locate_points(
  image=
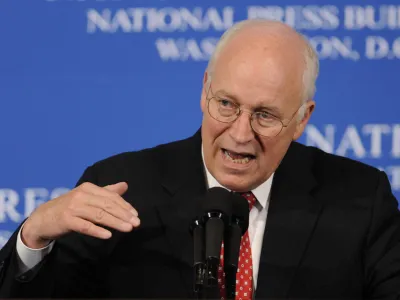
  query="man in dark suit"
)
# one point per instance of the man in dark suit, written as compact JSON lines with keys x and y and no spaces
{"x":321,"y":226}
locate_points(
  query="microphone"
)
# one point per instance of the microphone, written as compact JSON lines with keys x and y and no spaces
{"x":238,"y":226}
{"x":217,"y":208}
{"x":207,"y":230}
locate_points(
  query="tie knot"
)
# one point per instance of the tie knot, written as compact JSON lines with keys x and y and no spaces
{"x":250,"y":198}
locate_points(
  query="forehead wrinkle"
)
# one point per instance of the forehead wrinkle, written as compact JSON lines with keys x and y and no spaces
{"x":272,"y":45}
{"x":257,"y":67}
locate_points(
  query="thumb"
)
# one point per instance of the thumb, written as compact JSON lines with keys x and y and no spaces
{"x":120,"y":188}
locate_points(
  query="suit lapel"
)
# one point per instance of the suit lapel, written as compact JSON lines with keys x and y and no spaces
{"x":292,"y":217}
{"x":184,"y":181}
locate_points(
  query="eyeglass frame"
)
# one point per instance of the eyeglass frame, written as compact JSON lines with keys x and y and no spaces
{"x":240,"y":110}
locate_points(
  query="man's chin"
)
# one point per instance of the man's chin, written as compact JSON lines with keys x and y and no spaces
{"x":234,"y":182}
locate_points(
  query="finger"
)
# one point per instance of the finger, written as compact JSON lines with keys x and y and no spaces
{"x":88,"y":228}
{"x":108,"y":205}
{"x":108,"y":191}
{"x":99,"y":216}
{"x":120,"y":188}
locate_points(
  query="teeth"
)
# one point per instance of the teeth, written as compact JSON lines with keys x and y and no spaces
{"x":237,"y":160}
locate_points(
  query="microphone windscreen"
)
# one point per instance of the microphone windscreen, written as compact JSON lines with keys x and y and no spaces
{"x":240,"y":211}
{"x":217,"y":212}
{"x":217,"y":199}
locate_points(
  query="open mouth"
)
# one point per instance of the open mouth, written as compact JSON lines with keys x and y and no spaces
{"x":238,"y":157}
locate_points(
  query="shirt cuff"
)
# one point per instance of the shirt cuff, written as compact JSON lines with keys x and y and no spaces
{"x":28,"y":257}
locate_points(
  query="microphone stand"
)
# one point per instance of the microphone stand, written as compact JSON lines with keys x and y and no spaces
{"x":197,"y":231}
{"x":214,"y":229}
{"x":230,"y":281}
{"x":212,"y":278}
{"x":199,"y":274}
{"x":205,"y":270}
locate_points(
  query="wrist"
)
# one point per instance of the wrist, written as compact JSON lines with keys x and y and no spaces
{"x":30,"y":239}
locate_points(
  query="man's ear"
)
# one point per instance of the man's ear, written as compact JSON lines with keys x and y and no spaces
{"x":205,"y":78}
{"x":301,"y":124}
{"x":204,"y":92}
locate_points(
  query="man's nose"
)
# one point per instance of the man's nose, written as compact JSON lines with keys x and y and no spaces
{"x":241,"y":130}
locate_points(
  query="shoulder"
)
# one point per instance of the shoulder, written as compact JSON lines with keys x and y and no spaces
{"x":141,"y":165}
{"x":345,"y":174}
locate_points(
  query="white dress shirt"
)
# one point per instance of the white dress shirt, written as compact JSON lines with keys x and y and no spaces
{"x":28,"y":258}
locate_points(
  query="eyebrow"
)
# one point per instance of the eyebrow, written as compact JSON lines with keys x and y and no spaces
{"x":271,"y":109}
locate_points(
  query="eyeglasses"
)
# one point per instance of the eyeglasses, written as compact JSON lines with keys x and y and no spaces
{"x":262,"y":122}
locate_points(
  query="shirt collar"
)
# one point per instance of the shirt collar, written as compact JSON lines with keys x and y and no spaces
{"x":261,"y":192}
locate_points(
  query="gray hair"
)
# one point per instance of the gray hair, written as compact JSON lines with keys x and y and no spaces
{"x":311,"y":69}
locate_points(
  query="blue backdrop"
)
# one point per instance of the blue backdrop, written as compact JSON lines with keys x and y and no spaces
{"x":81,"y":80}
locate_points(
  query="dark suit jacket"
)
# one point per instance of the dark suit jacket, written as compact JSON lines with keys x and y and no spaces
{"x":333,"y":231}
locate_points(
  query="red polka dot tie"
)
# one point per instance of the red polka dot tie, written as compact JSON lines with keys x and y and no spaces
{"x":244,"y":275}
